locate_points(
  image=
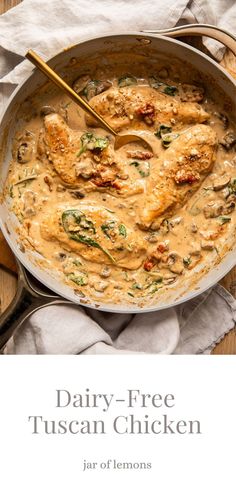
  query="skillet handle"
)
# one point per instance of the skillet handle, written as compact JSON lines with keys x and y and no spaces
{"x":228,"y":40}
{"x":19,"y":311}
{"x":27,"y":300}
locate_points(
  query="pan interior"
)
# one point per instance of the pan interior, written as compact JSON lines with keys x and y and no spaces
{"x":76,"y":60}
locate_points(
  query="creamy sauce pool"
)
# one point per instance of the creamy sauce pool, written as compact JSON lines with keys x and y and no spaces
{"x":123,"y":226}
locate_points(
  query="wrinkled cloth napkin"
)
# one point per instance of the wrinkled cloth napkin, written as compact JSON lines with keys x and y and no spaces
{"x":190,"y":328}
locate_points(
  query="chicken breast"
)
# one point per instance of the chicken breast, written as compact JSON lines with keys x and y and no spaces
{"x":178,"y":174}
{"x":94,"y":233}
{"x":85,"y":160}
{"x":144,"y":107}
{"x":60,"y":144}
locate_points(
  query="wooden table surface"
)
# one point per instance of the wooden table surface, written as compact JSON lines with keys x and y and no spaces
{"x":8,"y":278}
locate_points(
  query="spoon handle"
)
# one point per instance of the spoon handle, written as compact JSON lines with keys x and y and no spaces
{"x":54,"y":77}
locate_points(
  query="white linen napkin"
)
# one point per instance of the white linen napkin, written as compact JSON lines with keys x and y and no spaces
{"x":191,"y":328}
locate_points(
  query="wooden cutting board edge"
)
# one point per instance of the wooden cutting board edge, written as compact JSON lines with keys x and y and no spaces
{"x":7,"y":259}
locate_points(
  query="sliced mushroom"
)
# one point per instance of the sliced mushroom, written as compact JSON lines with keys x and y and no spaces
{"x":103,"y":86}
{"x":46,"y":110}
{"x":105,"y":272}
{"x":169,"y":279}
{"x":195,"y":249}
{"x":223,"y":118}
{"x":230,"y":205}
{"x":207,"y":245}
{"x":77,"y":194}
{"x":175,"y":263}
{"x":177,"y":268}
{"x":175,"y":221}
{"x":224,"y":193}
{"x":229,"y":140}
{"x":85,"y":169}
{"x":95,"y":87}
{"x":221,"y":182}
{"x":192,"y":93}
{"x":80,"y":83}
{"x":213,"y":209}
{"x":23,"y":146}
{"x":152,"y":238}
{"x":25,"y":153}
{"x":100,"y":286}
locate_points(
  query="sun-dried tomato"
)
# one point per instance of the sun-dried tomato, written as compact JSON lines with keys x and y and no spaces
{"x":183,"y":177}
{"x":149,"y":264}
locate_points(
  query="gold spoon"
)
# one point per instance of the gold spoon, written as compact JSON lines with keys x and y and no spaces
{"x":120,"y":139}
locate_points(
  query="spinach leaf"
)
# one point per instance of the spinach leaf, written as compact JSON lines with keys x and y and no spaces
{"x":77,"y":227}
{"x":91,"y":242}
{"x":224,"y":220}
{"x":91,"y":142}
{"x":108,"y":226}
{"x":90,"y":89}
{"x":122,"y":230}
{"x":76,"y":262}
{"x":130,"y":294}
{"x":232,"y":186}
{"x":187,"y":260}
{"x":142,"y":167}
{"x":135,"y":285}
{"x":168,"y":138}
{"x":11,"y":191}
{"x":72,"y":219}
{"x":170,"y":90}
{"x":78,"y":279}
{"x":166,"y":135}
{"x":156,"y":285}
{"x":163,"y":129}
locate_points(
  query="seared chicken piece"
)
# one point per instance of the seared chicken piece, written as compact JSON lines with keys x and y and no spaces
{"x":95,"y":234}
{"x":60,"y":144}
{"x":143,"y":107}
{"x":94,"y":169}
{"x":178,"y":175}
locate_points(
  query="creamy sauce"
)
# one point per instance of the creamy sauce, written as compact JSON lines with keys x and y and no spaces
{"x":122,"y":226}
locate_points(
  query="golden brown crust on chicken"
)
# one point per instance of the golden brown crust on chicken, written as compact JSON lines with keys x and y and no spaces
{"x":91,"y":170}
{"x":176,"y":177}
{"x":144,"y":107}
{"x":60,"y":144}
{"x":118,"y":244}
